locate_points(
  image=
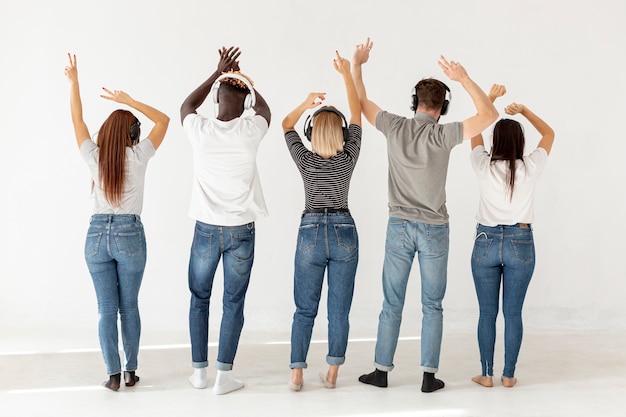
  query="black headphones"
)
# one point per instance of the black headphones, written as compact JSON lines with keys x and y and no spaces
{"x":308,"y":124}
{"x":444,"y":106}
{"x":135,"y":131}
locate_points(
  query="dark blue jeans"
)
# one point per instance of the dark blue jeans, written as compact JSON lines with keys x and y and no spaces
{"x":115,"y":251}
{"x":235,"y":246}
{"x":502,"y":256}
{"x":327,"y":243}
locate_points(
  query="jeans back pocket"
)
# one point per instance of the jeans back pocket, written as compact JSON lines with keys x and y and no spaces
{"x":307,"y":236}
{"x":92,"y":244}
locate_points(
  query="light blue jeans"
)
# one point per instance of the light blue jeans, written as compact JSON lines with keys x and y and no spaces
{"x":502,"y":256}
{"x":115,"y":251}
{"x":405,"y":238}
{"x":327,"y":244}
{"x":235,"y":246}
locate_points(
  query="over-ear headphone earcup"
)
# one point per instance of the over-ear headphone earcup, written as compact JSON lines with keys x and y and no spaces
{"x":345,"y":133}
{"x":247,"y":102}
{"x":135,"y":131}
{"x":444,"y":107}
{"x":414,"y":101}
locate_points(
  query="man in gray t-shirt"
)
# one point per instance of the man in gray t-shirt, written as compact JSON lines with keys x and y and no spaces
{"x":418,"y":151}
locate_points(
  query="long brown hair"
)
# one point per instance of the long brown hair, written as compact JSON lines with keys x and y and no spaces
{"x":113,"y":138}
{"x":508,"y":145}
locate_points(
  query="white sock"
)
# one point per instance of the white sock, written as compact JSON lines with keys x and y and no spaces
{"x":224,"y":383}
{"x":199,"y":378}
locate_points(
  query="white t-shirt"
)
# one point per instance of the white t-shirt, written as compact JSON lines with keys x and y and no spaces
{"x":226,"y":188}
{"x":496,"y":206}
{"x":137,"y":159}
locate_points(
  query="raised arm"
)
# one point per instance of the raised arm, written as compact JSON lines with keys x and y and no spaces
{"x":496,"y":91}
{"x":76,"y":106}
{"x":312,"y":100}
{"x":546,"y":132}
{"x":228,"y":61}
{"x":261,"y":108}
{"x":160,"y":120}
{"x":361,"y":55}
{"x":342,"y":66}
{"x":486,"y":112}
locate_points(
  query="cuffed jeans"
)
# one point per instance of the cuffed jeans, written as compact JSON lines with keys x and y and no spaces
{"x":502,"y":254}
{"x":115,"y":251}
{"x":326,"y":242}
{"x":430,"y":242}
{"x":235,"y":244}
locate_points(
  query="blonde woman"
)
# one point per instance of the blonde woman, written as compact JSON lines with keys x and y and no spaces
{"x":327,"y":238}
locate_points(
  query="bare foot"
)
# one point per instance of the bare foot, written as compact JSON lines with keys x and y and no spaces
{"x":295,"y":384}
{"x":508,"y":382}
{"x":485,"y":381}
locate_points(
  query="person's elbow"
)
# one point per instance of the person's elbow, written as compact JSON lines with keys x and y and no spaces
{"x":491,"y":114}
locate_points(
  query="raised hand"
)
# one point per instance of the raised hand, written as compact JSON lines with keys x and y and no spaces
{"x":514,"y":108}
{"x":362,"y":52}
{"x":313,"y":100}
{"x":497,"y":90}
{"x":228,"y":59}
{"x":71,"y":70}
{"x":342,"y":65}
{"x":452,"y":69}
{"x":116,"y":95}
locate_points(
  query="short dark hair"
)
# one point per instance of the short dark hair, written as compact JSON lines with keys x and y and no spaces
{"x":430,"y":93}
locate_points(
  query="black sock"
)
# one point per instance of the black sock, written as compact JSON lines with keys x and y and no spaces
{"x":430,"y":383}
{"x":377,"y":378}
{"x":113,"y":383}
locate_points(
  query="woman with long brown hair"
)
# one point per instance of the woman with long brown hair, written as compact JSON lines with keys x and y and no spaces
{"x":115,"y":248}
{"x":504,"y":248}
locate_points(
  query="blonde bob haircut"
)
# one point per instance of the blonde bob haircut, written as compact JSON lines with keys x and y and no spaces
{"x":327,"y":135}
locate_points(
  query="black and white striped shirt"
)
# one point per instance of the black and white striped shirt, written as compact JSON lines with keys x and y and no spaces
{"x":326,"y":181}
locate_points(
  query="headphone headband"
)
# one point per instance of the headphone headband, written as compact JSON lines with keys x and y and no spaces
{"x":250,"y":99}
{"x":308,"y":124}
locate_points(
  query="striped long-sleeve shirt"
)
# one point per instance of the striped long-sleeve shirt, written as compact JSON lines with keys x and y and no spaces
{"x":326,"y":180}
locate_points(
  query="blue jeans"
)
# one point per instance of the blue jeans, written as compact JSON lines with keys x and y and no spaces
{"x":502,"y":254}
{"x":326,"y":242}
{"x":235,"y":244}
{"x":115,"y":251}
{"x":430,"y":242}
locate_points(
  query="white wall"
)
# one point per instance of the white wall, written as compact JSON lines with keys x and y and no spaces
{"x":565,"y":60}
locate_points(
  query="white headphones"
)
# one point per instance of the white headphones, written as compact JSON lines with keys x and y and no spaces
{"x":250,"y":99}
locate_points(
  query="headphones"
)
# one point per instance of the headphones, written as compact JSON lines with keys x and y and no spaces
{"x":135,"y":131}
{"x":308,"y":124}
{"x":444,"y":106}
{"x":250,"y":99}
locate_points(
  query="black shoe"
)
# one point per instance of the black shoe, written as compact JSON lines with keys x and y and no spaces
{"x":130,"y":378}
{"x":430,"y":383}
{"x":377,"y":378}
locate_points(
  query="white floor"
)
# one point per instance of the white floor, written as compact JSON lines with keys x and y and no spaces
{"x":559,"y":375}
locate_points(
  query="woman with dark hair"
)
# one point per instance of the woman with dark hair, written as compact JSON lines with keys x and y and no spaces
{"x":327,"y":237}
{"x":115,"y":248}
{"x":504,"y":250}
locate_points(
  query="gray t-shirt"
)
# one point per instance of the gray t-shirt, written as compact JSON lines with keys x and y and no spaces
{"x":418,"y":151}
{"x":137,"y":159}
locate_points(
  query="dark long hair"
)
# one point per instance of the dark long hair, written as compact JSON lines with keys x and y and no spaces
{"x":508,"y":145}
{"x":113,"y":138}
